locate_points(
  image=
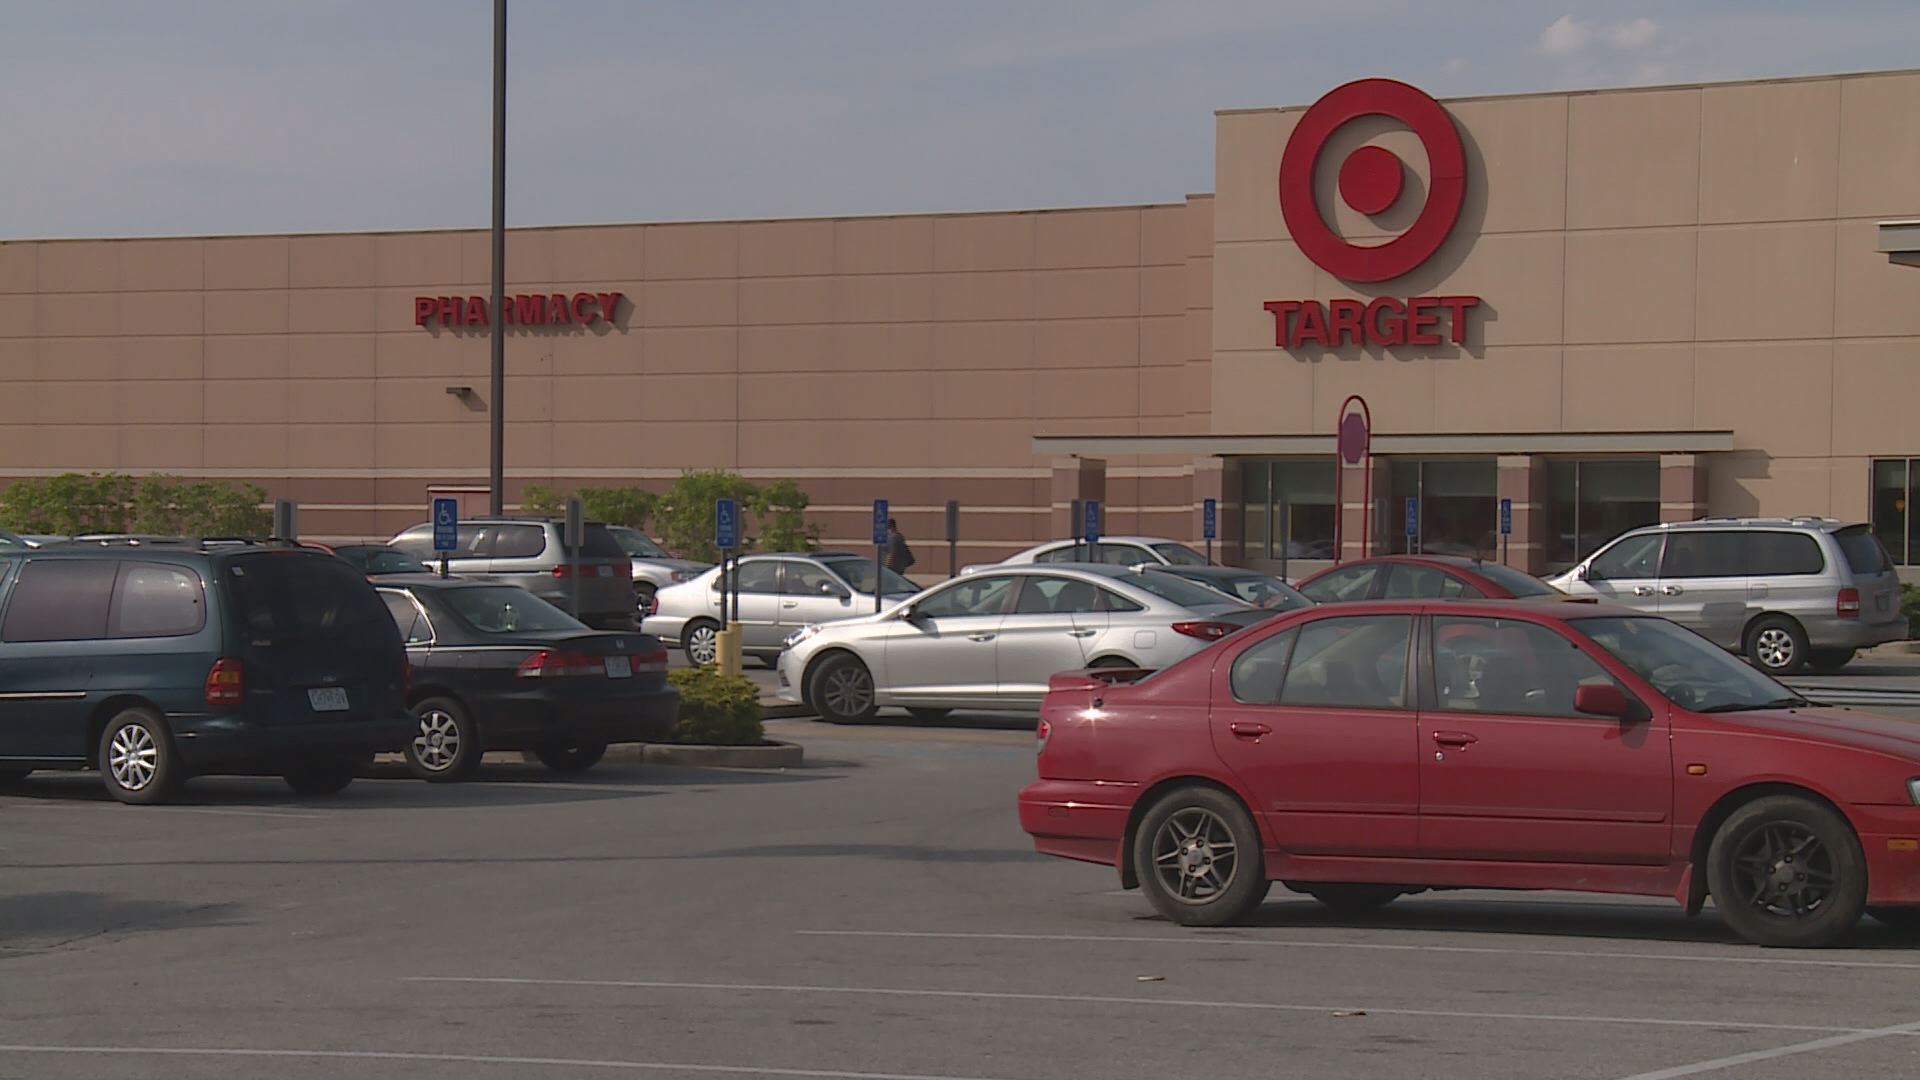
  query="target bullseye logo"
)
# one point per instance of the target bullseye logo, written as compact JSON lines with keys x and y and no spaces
{"x":1372,"y":179}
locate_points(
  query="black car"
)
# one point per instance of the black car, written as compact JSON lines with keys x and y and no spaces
{"x":377,"y":560}
{"x":1247,"y":586}
{"x":155,"y":659}
{"x":498,"y":668}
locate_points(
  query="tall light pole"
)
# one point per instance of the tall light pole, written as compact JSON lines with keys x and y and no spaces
{"x":497,"y":434}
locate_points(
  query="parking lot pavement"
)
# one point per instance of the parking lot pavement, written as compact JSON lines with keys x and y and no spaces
{"x":876,"y":914}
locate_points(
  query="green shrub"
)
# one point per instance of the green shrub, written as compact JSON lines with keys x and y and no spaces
{"x":681,"y":519}
{"x":542,"y":500}
{"x":630,"y":506}
{"x":1910,"y":607}
{"x":75,"y":503}
{"x":716,"y":709}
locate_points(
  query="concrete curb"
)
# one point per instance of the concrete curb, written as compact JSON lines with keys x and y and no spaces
{"x":773,"y":754}
{"x":782,"y":710}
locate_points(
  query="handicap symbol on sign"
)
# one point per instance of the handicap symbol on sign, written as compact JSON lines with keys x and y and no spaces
{"x":446,"y":515}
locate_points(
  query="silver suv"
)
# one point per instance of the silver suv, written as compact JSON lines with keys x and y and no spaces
{"x":1789,"y":593}
{"x":528,"y":552}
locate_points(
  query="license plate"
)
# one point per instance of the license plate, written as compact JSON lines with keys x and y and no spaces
{"x":619,"y":667}
{"x":328,"y":699}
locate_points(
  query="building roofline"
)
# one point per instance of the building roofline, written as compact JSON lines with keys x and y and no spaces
{"x":1595,"y":91}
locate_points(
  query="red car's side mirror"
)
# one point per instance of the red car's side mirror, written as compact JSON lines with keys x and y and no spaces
{"x":1605,"y":699}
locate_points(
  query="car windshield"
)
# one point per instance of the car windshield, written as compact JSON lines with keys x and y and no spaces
{"x":858,"y":573}
{"x":1515,"y":582}
{"x":382,"y":560}
{"x":1263,"y":591}
{"x":507,"y":609}
{"x":1180,"y":555}
{"x":637,"y":544}
{"x":1686,"y":668}
{"x":1176,"y":589}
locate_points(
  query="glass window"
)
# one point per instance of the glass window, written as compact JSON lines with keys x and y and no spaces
{"x":1457,"y":514}
{"x":1113,"y":601}
{"x":1125,"y":555}
{"x":636,"y":543}
{"x":1345,"y":583}
{"x":1260,"y":669}
{"x":1864,"y":552}
{"x":283,"y":598}
{"x":1634,"y":557}
{"x":808,"y":579}
{"x":507,"y":609}
{"x":406,"y":616}
{"x":1705,"y":554}
{"x":1356,"y":662}
{"x":1179,"y":590}
{"x":1263,"y":591}
{"x":1892,"y":493}
{"x":859,"y":574}
{"x":519,"y":541}
{"x":758,"y":576}
{"x":156,"y":600}
{"x":63,"y":600}
{"x":1062,"y":554}
{"x":417,"y":541}
{"x":971,"y":596}
{"x":1050,"y":595}
{"x":1287,"y":508}
{"x":1591,"y":502}
{"x":1510,"y":667}
{"x":597,"y":543}
{"x":1775,"y":554}
{"x":1689,"y":670}
{"x":1180,"y":555}
{"x":1409,"y":582}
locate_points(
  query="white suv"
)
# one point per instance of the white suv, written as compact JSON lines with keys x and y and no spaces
{"x":1788,"y":593}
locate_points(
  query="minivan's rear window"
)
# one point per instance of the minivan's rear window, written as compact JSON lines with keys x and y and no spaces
{"x":284,"y":597}
{"x":600,"y":544}
{"x":1865,"y":554}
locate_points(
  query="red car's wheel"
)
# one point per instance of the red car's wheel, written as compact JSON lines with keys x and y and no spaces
{"x":1197,"y":855}
{"x":1786,"y":871}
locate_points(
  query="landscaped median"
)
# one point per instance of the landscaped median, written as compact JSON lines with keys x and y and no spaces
{"x":720,"y":727}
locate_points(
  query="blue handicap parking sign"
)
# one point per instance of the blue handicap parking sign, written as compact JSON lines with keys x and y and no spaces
{"x":446,"y":524}
{"x":1209,"y":519}
{"x":880,"y":513}
{"x":726,"y":524}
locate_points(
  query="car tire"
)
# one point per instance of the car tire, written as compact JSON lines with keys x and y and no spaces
{"x":446,"y":747}
{"x":1828,"y":661}
{"x":1351,"y":899}
{"x":701,"y":642}
{"x":137,"y":762}
{"x":1177,"y":851}
{"x":571,"y":757}
{"x":321,"y":779}
{"x":1777,"y":645}
{"x":842,"y":690}
{"x":1904,"y":921}
{"x":1787,"y":872}
{"x":929,"y":716}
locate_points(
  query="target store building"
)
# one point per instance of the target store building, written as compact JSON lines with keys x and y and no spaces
{"x":1610,"y":308}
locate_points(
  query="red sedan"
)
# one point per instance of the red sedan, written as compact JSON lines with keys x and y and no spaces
{"x":1422,"y":577}
{"x":1359,"y":753}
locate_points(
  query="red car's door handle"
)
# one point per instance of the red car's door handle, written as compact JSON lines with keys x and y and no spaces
{"x":1454,"y":738}
{"x":1245,"y":730}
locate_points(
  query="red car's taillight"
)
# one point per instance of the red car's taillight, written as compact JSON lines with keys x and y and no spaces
{"x":1847,"y":605}
{"x":552,"y":663}
{"x":1205,"y":631}
{"x":650,"y":663}
{"x":226,"y":682}
{"x":1040,"y":736}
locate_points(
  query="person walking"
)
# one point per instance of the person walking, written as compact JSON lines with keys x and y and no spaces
{"x":899,"y":555}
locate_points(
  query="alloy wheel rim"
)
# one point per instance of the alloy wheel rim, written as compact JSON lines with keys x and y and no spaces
{"x":849,"y":691}
{"x":1785,"y":870}
{"x":1774,"y":647}
{"x":703,"y":644}
{"x":1194,"y":856}
{"x":438,"y":742}
{"x":133,"y":757}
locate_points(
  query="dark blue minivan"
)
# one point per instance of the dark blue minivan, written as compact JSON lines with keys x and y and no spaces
{"x":153,"y":660}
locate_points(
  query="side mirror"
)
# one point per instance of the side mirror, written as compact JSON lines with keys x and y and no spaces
{"x":1606,"y":699}
{"x":1583,"y":572}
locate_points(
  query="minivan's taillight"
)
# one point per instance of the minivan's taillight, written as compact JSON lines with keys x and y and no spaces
{"x":1847,"y":606}
{"x":226,"y":683}
{"x":1205,"y":631}
{"x":552,"y":663}
{"x":563,"y":570}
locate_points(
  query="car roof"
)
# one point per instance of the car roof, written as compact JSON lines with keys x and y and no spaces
{"x":434,"y":581}
{"x":1220,"y":572}
{"x":1457,"y":562}
{"x":1557,"y":609}
{"x":1148,"y":540}
{"x":1811,"y":523}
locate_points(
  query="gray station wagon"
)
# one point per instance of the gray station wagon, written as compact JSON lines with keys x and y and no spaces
{"x":528,"y":552}
{"x":1789,"y":593}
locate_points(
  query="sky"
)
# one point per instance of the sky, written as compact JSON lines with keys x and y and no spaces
{"x":188,"y":117}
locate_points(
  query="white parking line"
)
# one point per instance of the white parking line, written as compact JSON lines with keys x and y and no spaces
{"x":1735,"y":1060}
{"x":238,"y":813}
{"x":1324,"y":1008}
{"x":1369,"y":946}
{"x":474,"y":1059}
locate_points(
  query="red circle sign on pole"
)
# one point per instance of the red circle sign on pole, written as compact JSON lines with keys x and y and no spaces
{"x":1354,"y":438}
{"x":1354,"y":444}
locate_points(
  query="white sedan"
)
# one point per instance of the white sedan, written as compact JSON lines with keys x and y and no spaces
{"x":992,"y":640}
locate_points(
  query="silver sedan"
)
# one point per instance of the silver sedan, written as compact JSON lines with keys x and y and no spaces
{"x":992,"y":640}
{"x":779,"y":594}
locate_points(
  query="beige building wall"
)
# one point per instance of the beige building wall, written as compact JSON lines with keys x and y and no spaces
{"x":1699,"y":258}
{"x":910,"y":358}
